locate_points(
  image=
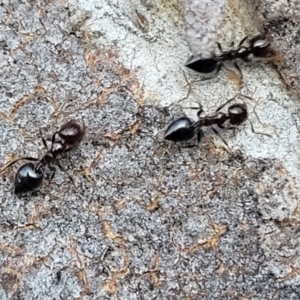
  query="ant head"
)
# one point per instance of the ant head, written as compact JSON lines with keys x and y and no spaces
{"x":202,"y":65}
{"x":261,"y":46}
{"x":238,"y":114}
{"x":71,"y":133}
{"x":28,"y":178}
{"x":180,"y":130}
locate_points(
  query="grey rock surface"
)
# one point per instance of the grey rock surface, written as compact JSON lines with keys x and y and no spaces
{"x":145,"y":219}
{"x":281,"y":20}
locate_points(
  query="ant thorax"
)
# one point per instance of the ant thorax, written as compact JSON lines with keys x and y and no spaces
{"x":219,"y":115}
{"x":226,"y":124}
{"x":47,"y":158}
{"x":218,"y":118}
{"x":57,"y":148}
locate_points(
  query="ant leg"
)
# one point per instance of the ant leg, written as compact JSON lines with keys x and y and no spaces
{"x":188,"y":146}
{"x":35,"y":193}
{"x":239,"y":69}
{"x":220,"y":47}
{"x":246,"y":59}
{"x":242,"y":41}
{"x":65,"y":171}
{"x":218,"y":133}
{"x":200,"y":111}
{"x":219,"y":66}
{"x":188,"y":107}
{"x":199,"y":135}
{"x":241,"y":74}
{"x":222,"y":127}
{"x":66,"y":154}
{"x":53,"y":171}
{"x":234,"y":131}
{"x":16,"y":160}
{"x":44,"y":141}
{"x":53,"y":136}
{"x":98,"y":135}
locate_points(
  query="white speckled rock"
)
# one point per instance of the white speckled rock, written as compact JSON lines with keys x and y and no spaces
{"x":203,"y":20}
{"x":145,"y":219}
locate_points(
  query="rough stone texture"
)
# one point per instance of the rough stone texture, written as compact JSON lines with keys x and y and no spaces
{"x":145,"y":219}
{"x":199,"y":15}
{"x":281,"y":20}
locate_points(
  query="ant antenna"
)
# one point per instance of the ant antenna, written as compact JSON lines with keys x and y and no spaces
{"x":224,"y":104}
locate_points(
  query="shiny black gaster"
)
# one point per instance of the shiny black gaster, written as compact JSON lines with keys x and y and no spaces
{"x":202,"y":65}
{"x":27,"y":179}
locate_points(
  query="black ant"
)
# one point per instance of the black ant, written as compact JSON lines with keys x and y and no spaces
{"x":259,"y":47}
{"x":29,"y":176}
{"x":183,"y":129}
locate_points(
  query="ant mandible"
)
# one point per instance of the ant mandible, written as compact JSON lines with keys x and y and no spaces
{"x":259,"y":47}
{"x":29,"y":176}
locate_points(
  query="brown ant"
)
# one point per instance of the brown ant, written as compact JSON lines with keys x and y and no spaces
{"x":29,"y":176}
{"x":259,"y":47}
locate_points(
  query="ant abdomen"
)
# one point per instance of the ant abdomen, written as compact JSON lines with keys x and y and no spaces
{"x":180,"y":130}
{"x":28,"y":179}
{"x":202,"y":65}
